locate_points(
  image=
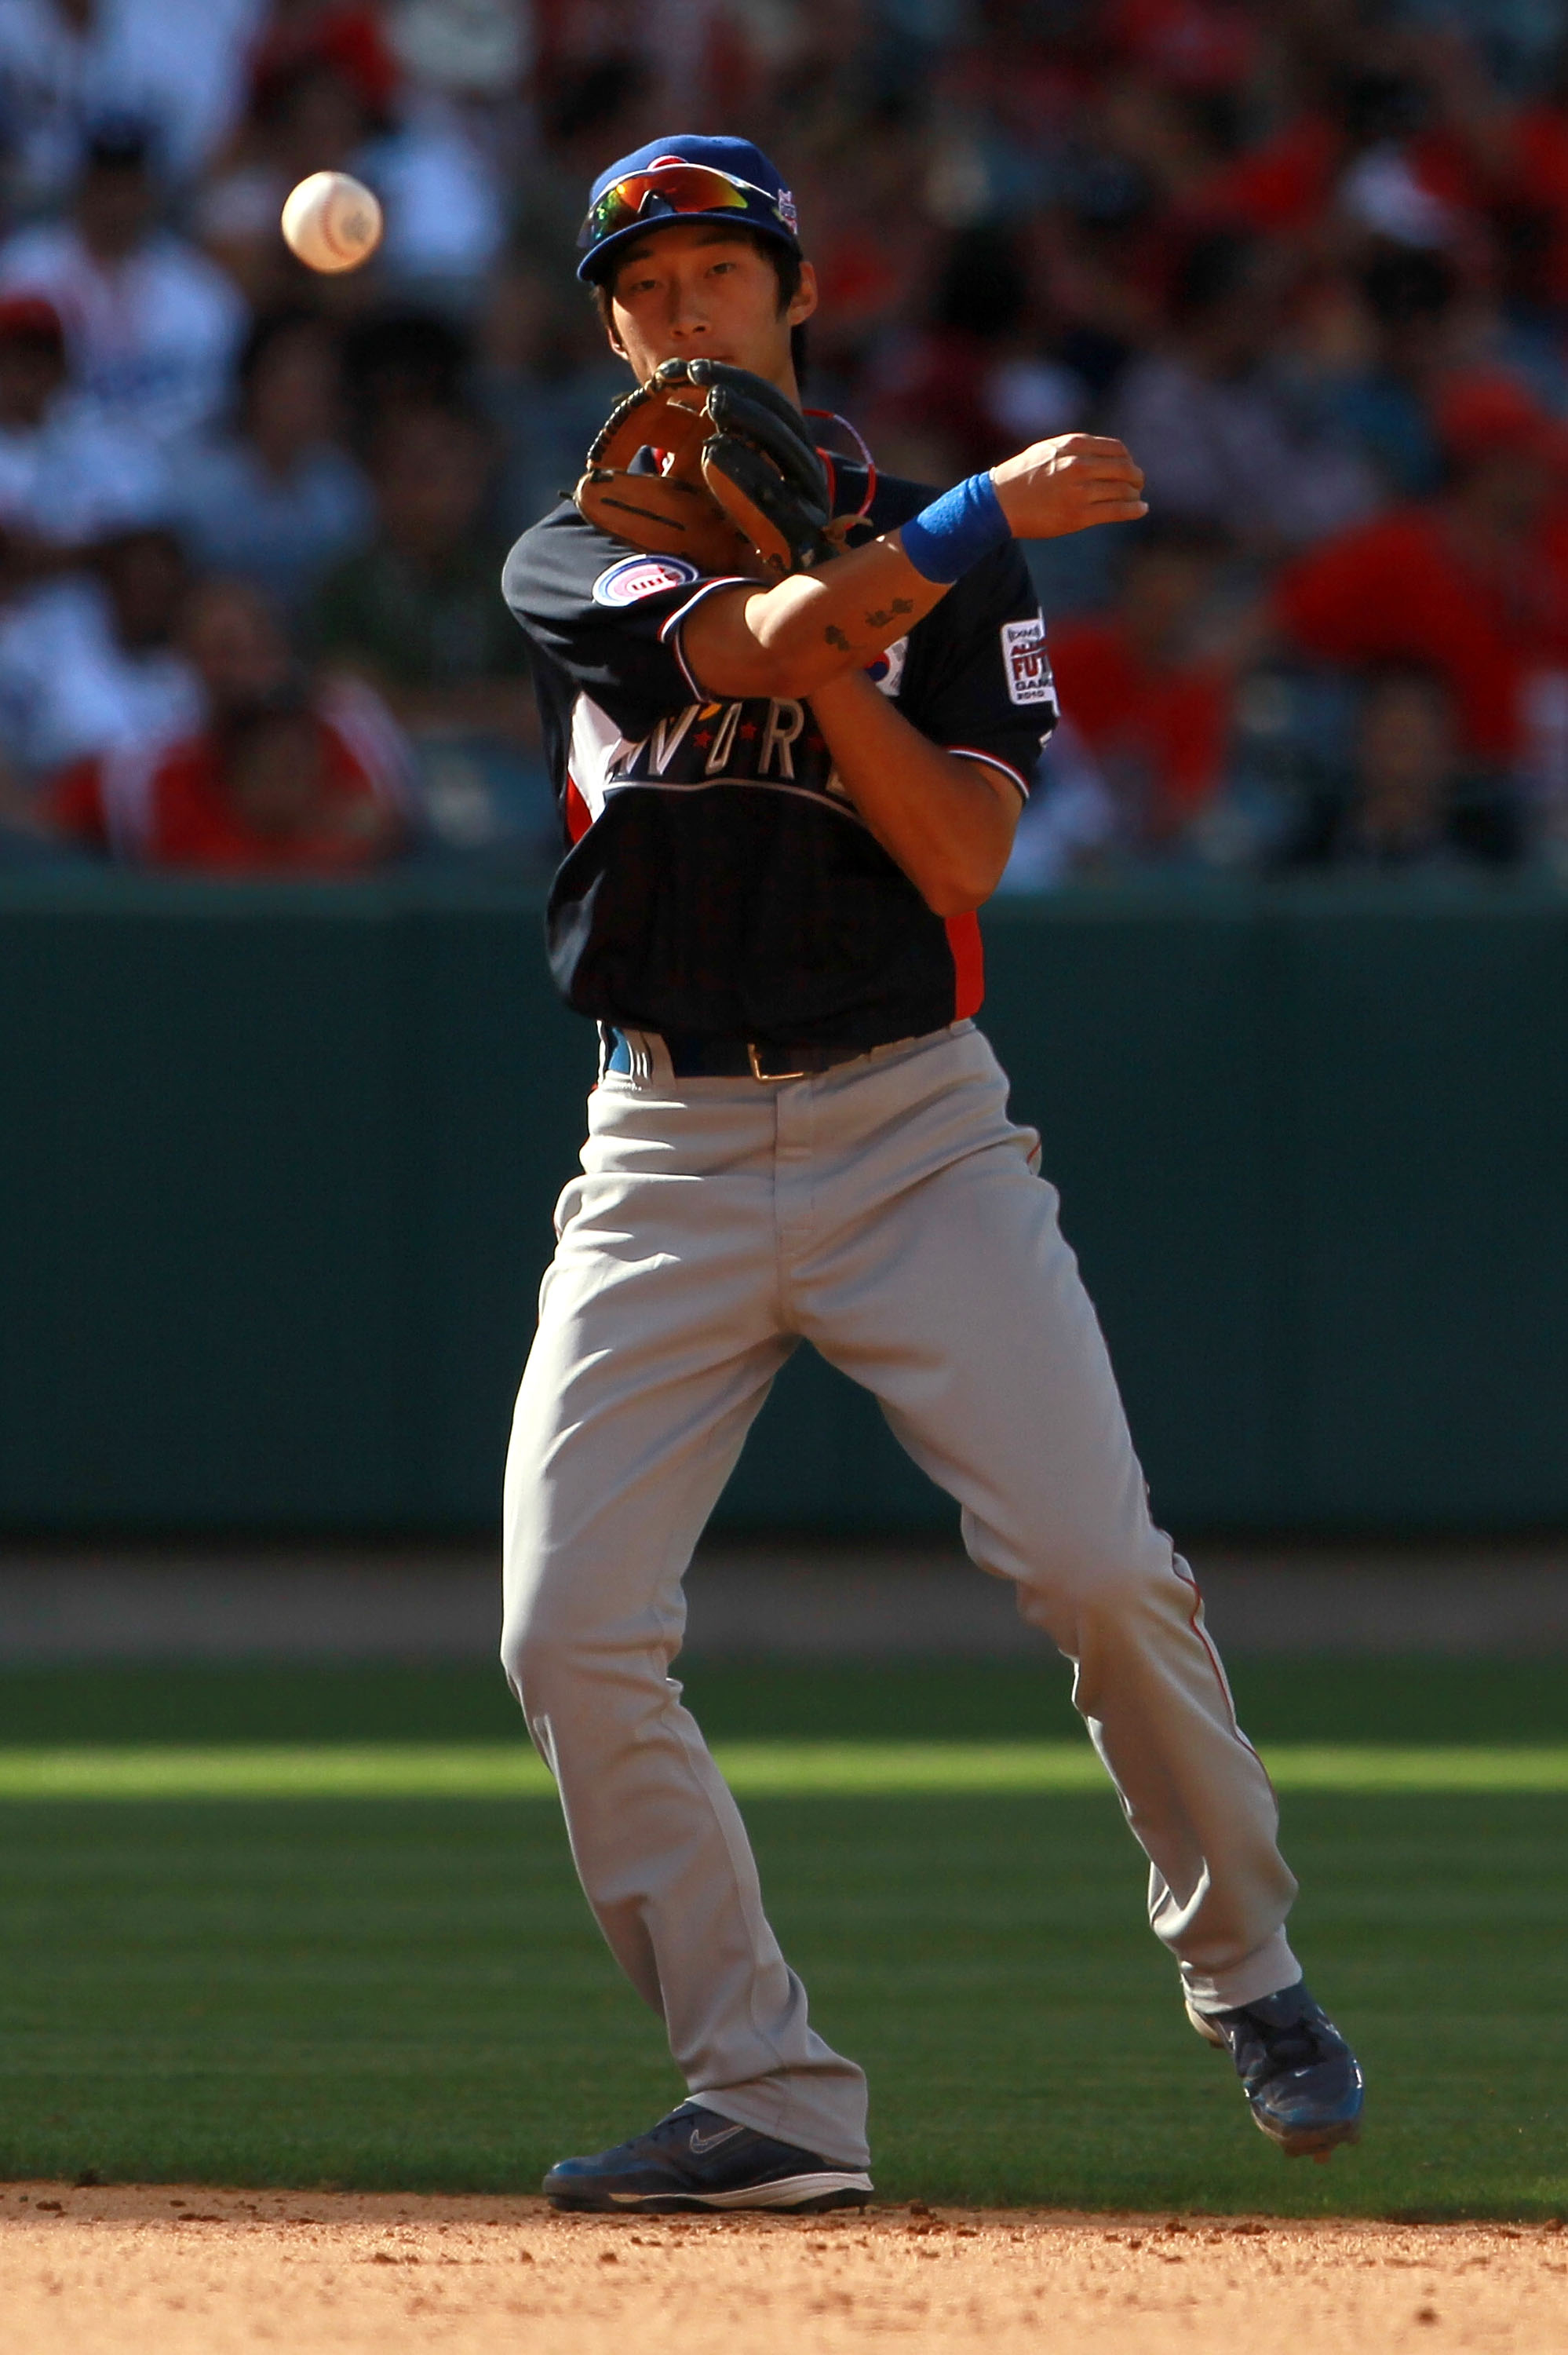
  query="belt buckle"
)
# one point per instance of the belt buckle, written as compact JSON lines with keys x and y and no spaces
{"x":758,"y":1073}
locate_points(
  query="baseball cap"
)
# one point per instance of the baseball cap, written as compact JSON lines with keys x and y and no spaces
{"x":686,"y":178}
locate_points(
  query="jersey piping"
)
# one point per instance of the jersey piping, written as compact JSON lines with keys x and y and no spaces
{"x":968,"y":753}
{"x":671,"y":634}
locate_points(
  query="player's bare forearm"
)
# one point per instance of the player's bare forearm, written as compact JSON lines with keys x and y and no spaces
{"x":790,"y":640}
{"x":948,"y":822}
{"x":816,"y":626}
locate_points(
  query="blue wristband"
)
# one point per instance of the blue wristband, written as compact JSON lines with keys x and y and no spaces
{"x":956,"y":530}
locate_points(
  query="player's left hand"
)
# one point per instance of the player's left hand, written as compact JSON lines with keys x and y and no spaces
{"x":1067,"y":483}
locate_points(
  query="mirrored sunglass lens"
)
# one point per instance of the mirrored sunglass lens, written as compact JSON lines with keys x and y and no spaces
{"x":700,"y":192}
{"x":614,"y":209}
{"x":609,"y":214}
{"x":684,"y":192}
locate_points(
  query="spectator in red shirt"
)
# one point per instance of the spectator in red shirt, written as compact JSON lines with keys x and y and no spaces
{"x":1151,"y":704}
{"x":1146,"y":693}
{"x":280,"y":782}
{"x":1473,"y":584}
{"x":272,"y":789}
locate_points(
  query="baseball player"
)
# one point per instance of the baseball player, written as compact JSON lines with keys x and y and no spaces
{"x":786,"y":793}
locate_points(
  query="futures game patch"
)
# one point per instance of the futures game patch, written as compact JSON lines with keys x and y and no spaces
{"x":1029,"y":679}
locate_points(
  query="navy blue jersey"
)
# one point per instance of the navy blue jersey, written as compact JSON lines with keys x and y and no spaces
{"x":718,"y":879}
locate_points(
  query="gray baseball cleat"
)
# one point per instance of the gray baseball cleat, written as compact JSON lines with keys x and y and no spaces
{"x":1302,"y":2082}
{"x":694,"y":2158}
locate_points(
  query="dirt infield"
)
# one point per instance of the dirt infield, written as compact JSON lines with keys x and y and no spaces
{"x":128,"y":2270}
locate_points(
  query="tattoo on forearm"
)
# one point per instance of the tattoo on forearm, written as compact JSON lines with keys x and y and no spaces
{"x":836,"y":638}
{"x":899,"y":605}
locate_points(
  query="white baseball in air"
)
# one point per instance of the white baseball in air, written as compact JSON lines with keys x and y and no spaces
{"x":332,"y":223}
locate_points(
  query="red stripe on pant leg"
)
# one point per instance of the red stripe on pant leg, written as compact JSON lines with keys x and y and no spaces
{"x":969,"y":964}
{"x":1195,"y":1621}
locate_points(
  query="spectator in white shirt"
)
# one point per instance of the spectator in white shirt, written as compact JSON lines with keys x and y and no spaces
{"x":64,"y":476}
{"x":180,"y":63}
{"x":278,"y":501}
{"x":88,"y":663}
{"x":151,"y":325}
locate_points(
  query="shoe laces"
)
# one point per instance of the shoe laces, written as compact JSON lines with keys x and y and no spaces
{"x":1271,"y":2048}
{"x":675,"y":2126}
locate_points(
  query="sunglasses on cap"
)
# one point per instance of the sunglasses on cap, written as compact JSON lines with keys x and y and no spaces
{"x":671,"y":189}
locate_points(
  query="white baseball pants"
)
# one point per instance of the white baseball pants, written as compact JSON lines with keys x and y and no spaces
{"x":890,"y":1213}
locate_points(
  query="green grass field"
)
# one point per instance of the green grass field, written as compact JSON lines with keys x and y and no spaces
{"x":400,"y":1989}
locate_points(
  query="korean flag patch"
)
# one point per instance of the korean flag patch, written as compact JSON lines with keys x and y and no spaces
{"x":1028,"y":665}
{"x":887,"y":671}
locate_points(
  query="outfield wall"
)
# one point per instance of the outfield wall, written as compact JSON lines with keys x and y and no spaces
{"x":277,"y":1164}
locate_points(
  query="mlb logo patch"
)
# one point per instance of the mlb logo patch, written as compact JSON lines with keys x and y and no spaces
{"x":1028,"y":665}
{"x":641,"y":576}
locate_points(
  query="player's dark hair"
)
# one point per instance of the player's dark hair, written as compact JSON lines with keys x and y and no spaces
{"x":786,"y":264}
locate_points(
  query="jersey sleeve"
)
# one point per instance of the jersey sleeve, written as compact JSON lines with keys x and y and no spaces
{"x":608,"y":616}
{"x":986,"y":691}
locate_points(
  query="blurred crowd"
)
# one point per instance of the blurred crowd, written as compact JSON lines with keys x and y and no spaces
{"x":1308,"y":257}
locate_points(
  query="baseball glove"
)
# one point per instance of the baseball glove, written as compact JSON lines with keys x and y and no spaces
{"x":742,"y":488}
